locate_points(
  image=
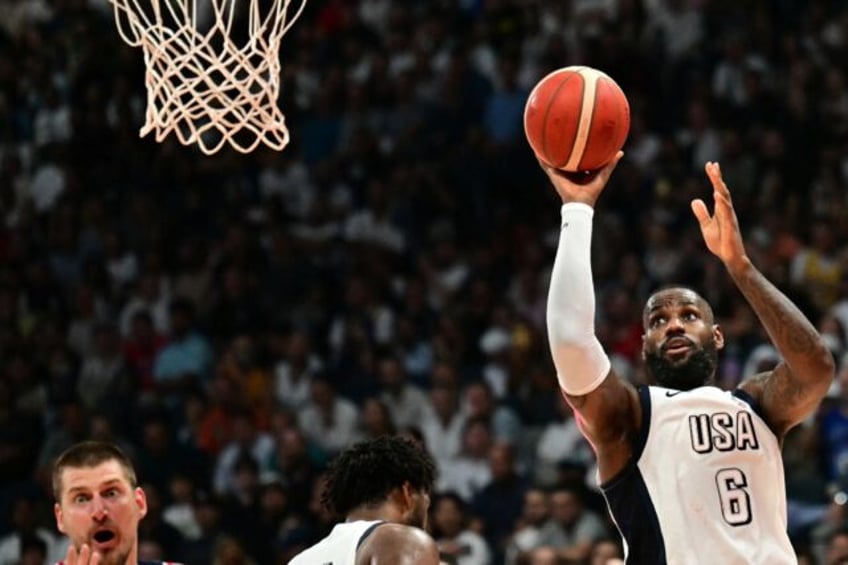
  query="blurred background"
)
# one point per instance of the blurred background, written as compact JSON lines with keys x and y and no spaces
{"x":234,"y":321}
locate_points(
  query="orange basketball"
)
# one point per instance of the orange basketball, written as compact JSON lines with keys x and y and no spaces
{"x":576,"y":119}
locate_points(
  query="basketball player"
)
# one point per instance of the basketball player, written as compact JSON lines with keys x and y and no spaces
{"x":382,"y":487}
{"x":98,"y":505}
{"x":691,"y":473}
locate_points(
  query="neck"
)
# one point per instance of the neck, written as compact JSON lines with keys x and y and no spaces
{"x":132,"y":556}
{"x":387,"y":512}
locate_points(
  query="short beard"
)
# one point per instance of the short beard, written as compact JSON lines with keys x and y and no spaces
{"x":697,"y":370}
{"x":114,"y":558}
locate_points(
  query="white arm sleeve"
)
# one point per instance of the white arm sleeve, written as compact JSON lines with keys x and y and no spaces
{"x":580,"y":361}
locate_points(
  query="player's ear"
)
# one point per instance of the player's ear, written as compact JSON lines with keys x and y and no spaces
{"x":141,"y":501}
{"x":57,"y":512}
{"x":718,"y":337}
{"x":407,"y":495}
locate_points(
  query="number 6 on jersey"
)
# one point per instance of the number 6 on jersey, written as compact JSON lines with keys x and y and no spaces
{"x":735,"y":500}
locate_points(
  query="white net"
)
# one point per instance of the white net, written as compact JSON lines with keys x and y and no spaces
{"x":213,"y":68}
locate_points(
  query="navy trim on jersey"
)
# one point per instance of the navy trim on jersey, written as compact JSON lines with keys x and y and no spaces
{"x":755,"y":406}
{"x":641,"y":438}
{"x":630,"y":503}
{"x":645,"y":401}
{"x":367,"y":533}
{"x":744,"y":396}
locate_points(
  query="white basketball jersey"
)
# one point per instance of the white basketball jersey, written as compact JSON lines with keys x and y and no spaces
{"x":339,"y":547}
{"x":705,"y":484}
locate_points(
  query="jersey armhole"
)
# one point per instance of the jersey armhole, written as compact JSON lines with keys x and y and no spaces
{"x":749,"y":400}
{"x":746,"y":397}
{"x":367,"y":533}
{"x":644,"y":392}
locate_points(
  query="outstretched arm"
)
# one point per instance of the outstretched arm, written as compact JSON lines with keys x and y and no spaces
{"x":793,"y":390}
{"x":607,"y":407}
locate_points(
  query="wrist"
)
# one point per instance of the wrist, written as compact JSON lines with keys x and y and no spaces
{"x":574,"y":206}
{"x":588,"y":201}
{"x":739,"y":266}
{"x":574,"y":212}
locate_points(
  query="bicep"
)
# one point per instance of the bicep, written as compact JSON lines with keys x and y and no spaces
{"x":784,"y":401}
{"x":408,"y":556}
{"x":610,"y":414}
{"x":395,"y":544}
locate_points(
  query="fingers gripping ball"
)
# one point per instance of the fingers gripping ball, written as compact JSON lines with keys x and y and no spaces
{"x":576,"y":119}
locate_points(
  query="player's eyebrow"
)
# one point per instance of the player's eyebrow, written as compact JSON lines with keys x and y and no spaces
{"x":666,"y":302}
{"x":108,"y":483}
{"x":662,"y":303}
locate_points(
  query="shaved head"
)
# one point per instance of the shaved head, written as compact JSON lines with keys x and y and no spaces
{"x":676,"y":295}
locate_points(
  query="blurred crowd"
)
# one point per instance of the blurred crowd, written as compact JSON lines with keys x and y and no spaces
{"x":234,"y":321}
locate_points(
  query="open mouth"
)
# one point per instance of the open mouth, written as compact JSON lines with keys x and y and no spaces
{"x":104,"y":539}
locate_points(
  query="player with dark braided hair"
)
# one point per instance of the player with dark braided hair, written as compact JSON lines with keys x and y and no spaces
{"x":382,"y":488}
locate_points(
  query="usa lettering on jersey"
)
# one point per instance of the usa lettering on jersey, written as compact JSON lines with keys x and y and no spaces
{"x":722,"y":431}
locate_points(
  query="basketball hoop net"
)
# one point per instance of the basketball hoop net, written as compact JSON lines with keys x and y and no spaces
{"x":201,"y":84}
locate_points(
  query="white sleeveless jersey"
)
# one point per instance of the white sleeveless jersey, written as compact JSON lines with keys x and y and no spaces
{"x":339,"y":547}
{"x":705,"y":485}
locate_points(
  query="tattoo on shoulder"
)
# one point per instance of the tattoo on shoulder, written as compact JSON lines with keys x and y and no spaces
{"x":776,"y":388}
{"x":787,"y":391}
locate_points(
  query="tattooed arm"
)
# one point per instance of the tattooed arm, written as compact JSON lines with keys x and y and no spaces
{"x":793,"y":390}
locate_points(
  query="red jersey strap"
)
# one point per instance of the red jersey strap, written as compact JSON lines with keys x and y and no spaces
{"x":141,"y":563}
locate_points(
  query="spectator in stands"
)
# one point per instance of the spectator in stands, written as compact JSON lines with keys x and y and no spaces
{"x":155,"y":528}
{"x":27,"y":537}
{"x":572,"y":530}
{"x":375,"y":419}
{"x":469,"y":471}
{"x":405,"y":400}
{"x":247,"y":441}
{"x":534,"y":515}
{"x":294,"y":370}
{"x":479,"y":402}
{"x":186,"y":361}
{"x":500,"y":502}
{"x":452,"y":532}
{"x":442,"y":422}
{"x":299,"y":467}
{"x":328,"y":419}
